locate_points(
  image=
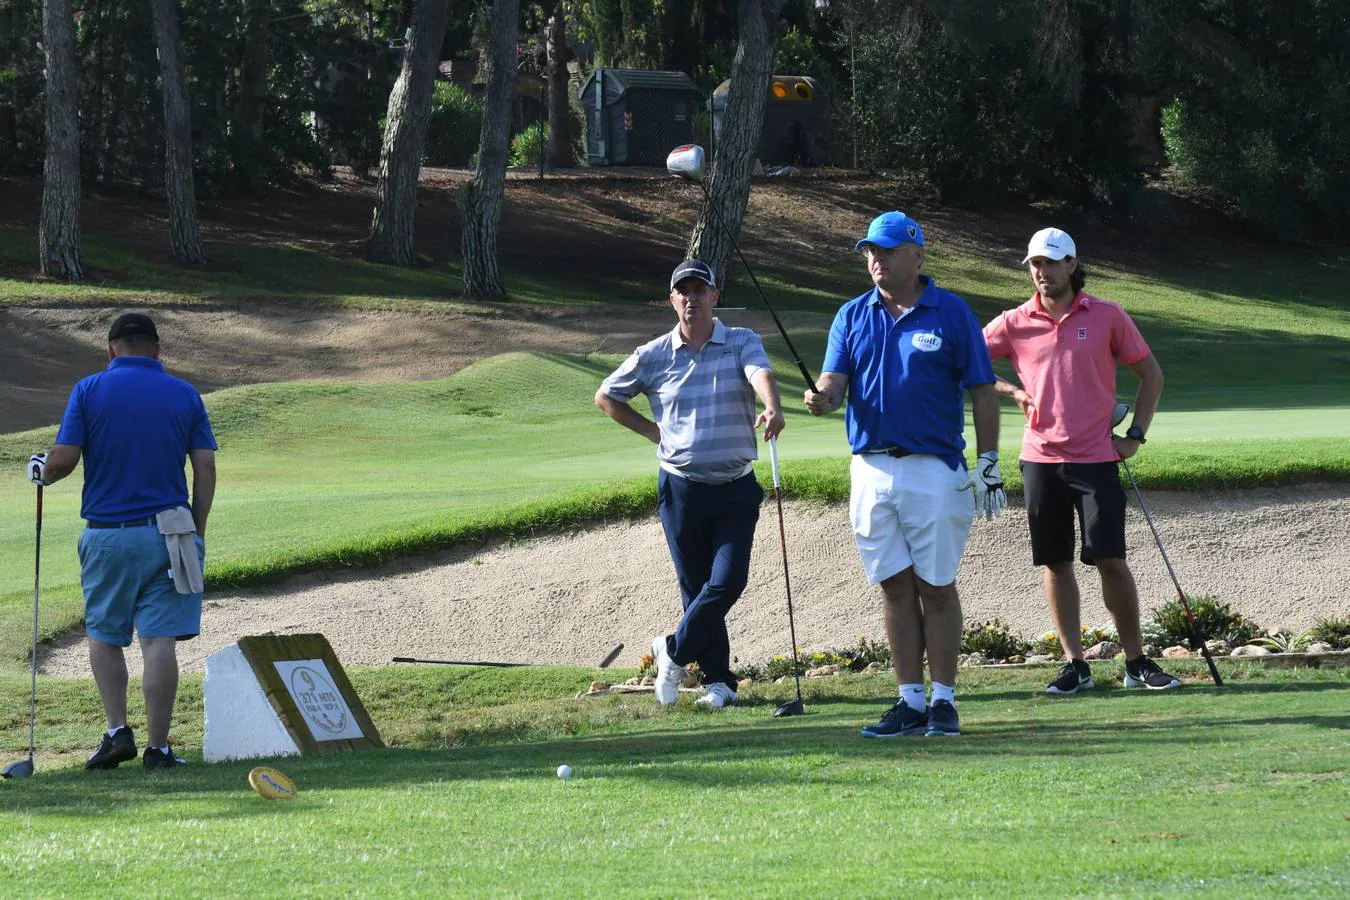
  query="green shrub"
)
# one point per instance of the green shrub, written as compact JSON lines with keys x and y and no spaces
{"x":994,"y":640}
{"x":853,"y":659}
{"x":1213,"y":618}
{"x":528,"y":147}
{"x":1284,"y":641}
{"x":1048,"y":643}
{"x":1335,"y":632}
{"x":452,"y":126}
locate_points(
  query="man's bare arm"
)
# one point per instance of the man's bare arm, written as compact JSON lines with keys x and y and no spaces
{"x":628,"y":417}
{"x":203,"y":486}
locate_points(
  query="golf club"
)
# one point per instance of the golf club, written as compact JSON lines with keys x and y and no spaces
{"x":24,"y":767}
{"x":687,"y":162}
{"x":609,"y":657}
{"x":1121,"y":410}
{"x":792,"y":707}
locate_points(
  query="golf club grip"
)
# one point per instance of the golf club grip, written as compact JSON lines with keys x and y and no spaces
{"x":773,"y":461}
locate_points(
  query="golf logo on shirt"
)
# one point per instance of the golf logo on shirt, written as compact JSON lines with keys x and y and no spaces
{"x":926,"y":342}
{"x":1082,"y":334}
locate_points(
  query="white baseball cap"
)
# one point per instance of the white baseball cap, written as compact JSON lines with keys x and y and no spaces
{"x":1050,"y":243}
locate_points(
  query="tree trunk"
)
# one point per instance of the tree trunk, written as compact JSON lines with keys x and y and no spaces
{"x":185,"y":233}
{"x":480,"y":201}
{"x":59,"y":230}
{"x":391,"y":229}
{"x":252,"y":103}
{"x":559,"y":110}
{"x":738,"y":141}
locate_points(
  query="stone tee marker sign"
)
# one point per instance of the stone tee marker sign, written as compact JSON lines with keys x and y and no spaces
{"x":281,"y":695}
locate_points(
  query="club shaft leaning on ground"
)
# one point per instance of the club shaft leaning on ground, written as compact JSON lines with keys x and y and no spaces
{"x":37,"y":580}
{"x":796,"y":357}
{"x":787,"y":579}
{"x":1196,"y":636}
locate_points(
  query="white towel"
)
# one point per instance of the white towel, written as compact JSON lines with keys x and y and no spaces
{"x":178,"y":528}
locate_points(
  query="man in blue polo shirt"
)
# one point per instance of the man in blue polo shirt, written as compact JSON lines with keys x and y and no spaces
{"x":701,"y":379}
{"x":903,"y":353}
{"x":142,"y":552}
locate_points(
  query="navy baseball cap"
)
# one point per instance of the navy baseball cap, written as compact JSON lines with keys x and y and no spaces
{"x":891,"y":229}
{"x":132,"y":324}
{"x":693,"y":268}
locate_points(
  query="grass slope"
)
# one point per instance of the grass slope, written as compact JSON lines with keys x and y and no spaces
{"x":1239,"y":790}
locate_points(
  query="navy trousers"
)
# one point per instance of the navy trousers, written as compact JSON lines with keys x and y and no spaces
{"x":710,"y":529}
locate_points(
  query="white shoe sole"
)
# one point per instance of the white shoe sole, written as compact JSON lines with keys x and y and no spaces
{"x":1131,"y":682}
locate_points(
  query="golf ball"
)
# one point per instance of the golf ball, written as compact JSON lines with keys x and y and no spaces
{"x":564,"y":771}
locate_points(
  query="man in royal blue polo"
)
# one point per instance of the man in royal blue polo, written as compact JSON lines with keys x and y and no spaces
{"x":701,"y":379}
{"x":903,"y":353}
{"x":142,"y":551}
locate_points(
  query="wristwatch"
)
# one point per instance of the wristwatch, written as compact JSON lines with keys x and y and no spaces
{"x":1135,"y":433}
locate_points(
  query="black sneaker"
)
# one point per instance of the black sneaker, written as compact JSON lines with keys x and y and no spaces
{"x":1144,"y":672}
{"x":943,"y":720}
{"x":113,"y":750}
{"x":1074,"y":677}
{"x":155,"y":758}
{"x":899,"y":720}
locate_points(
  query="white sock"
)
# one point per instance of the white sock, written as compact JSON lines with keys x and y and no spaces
{"x":164,"y":749}
{"x":113,"y":731}
{"x":912,"y":694}
{"x":944,"y":692}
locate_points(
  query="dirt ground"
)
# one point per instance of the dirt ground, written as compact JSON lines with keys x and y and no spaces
{"x":564,"y":599}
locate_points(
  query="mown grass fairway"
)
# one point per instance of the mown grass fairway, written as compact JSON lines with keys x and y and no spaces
{"x":1234,"y":791}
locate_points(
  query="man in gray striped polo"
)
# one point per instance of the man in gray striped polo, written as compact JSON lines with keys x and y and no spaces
{"x":701,"y":379}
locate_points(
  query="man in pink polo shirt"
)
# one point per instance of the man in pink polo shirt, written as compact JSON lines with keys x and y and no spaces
{"x":1064,"y":344}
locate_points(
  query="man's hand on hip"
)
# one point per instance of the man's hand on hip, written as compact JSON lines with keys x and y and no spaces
{"x":37,"y":468}
{"x":989,"y":494}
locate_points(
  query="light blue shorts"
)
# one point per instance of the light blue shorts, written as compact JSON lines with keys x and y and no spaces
{"x":125,"y":574}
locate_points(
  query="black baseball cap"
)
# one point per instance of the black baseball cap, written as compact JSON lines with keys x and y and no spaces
{"x":693,"y":268}
{"x":131,"y":325}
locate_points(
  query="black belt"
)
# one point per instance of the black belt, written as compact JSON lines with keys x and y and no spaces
{"x":134,"y":523}
{"x":897,"y":452}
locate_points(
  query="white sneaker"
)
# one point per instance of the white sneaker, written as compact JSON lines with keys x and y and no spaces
{"x":717,"y":696}
{"x":669,"y":676}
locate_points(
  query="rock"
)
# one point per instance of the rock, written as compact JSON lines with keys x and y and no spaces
{"x":647,"y":681}
{"x":1321,"y":647}
{"x":1151,"y":650}
{"x":973,"y":659}
{"x":600,"y":686}
{"x":744,"y":683}
{"x":1218,"y":647}
{"x":822,"y":671}
{"x":782,"y":679}
{"x":1177,"y":652}
{"x":1104,"y":650}
{"x":1040,"y":658}
{"x":1016,"y":658}
{"x":875,"y":667}
{"x":1250,"y":650}
{"x":634,"y":681}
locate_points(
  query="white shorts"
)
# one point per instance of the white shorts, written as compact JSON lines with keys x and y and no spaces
{"x":911,"y":511}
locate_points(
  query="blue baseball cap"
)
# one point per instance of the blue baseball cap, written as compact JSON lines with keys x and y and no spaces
{"x":891,"y":229}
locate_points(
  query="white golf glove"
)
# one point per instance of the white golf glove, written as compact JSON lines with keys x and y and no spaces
{"x":989,"y":493}
{"x":37,"y":468}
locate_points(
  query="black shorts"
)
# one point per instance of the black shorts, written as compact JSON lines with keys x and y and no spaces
{"x":1055,"y":491}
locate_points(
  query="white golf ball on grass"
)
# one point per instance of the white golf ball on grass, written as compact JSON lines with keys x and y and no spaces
{"x":564,"y":771}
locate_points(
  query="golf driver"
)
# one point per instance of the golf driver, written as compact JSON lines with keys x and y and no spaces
{"x":609,"y":657}
{"x":1121,"y":410}
{"x":24,"y":767}
{"x":792,"y":707}
{"x":687,"y":162}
